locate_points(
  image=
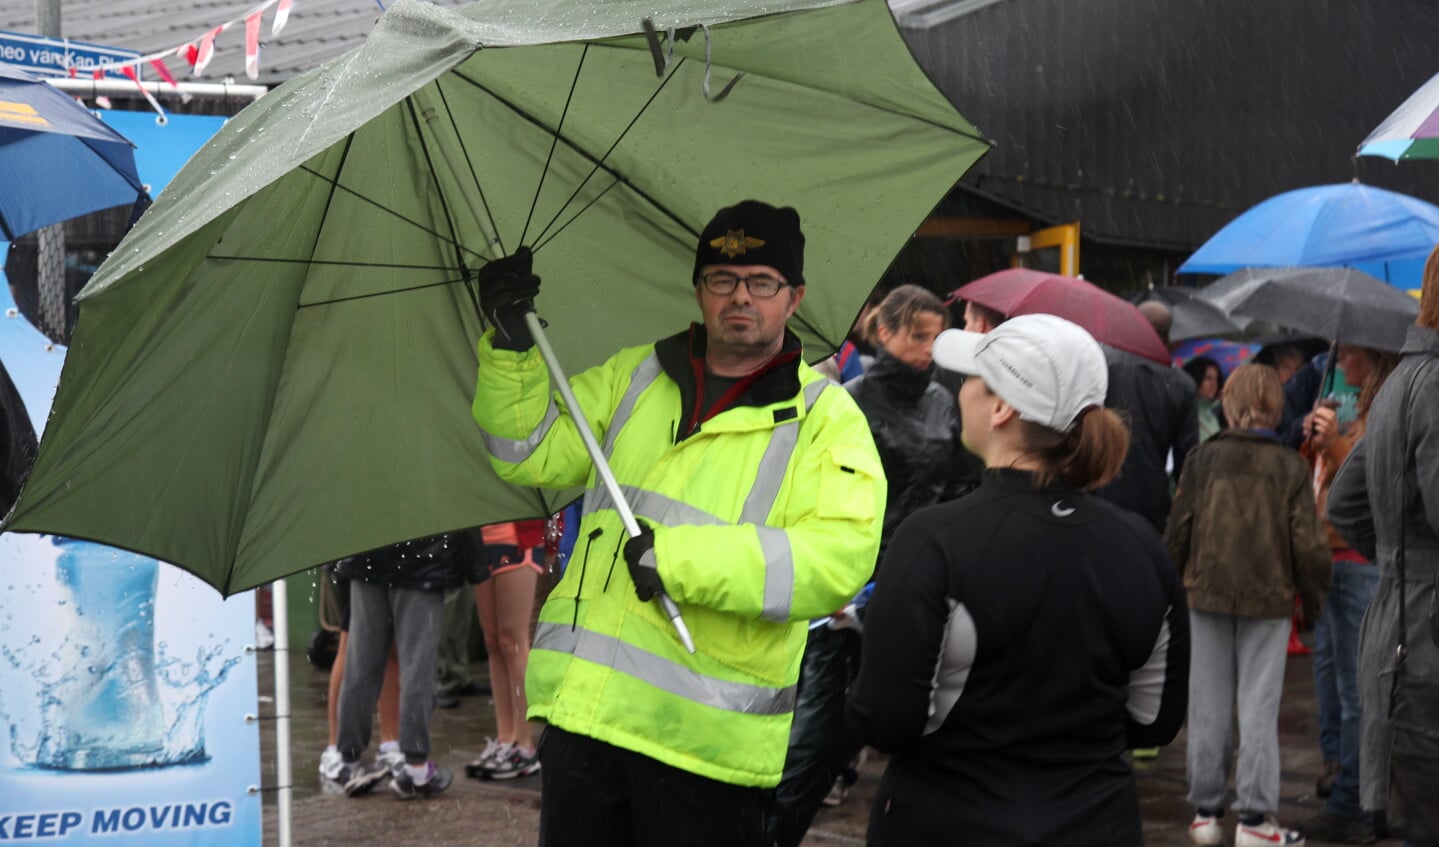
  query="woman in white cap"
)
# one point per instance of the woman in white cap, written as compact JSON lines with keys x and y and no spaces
{"x":1029,"y":634}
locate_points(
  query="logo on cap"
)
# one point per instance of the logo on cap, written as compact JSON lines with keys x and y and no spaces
{"x":735,"y":243}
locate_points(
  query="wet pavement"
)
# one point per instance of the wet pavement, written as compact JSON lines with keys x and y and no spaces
{"x":481,"y":814}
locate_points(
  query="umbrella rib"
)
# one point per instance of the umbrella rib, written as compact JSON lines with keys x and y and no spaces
{"x":600,"y":163}
{"x":333,"y":263}
{"x":382,"y":207}
{"x":554,"y":142}
{"x":479,"y":189}
{"x":665,"y":210}
{"x":372,"y":294}
{"x":449,"y":215}
{"x":575,"y":217}
{"x":439,"y":190}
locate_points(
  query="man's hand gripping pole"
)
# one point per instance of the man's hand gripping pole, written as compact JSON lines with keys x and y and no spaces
{"x":602,"y":467}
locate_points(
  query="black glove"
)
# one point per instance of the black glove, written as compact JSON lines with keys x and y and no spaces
{"x":507,"y":292}
{"x":644,"y":570}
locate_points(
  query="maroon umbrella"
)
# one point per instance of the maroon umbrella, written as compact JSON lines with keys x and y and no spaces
{"x":1110,"y":319}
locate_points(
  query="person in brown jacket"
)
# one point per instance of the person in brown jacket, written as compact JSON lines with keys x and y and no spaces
{"x":1245,"y":536}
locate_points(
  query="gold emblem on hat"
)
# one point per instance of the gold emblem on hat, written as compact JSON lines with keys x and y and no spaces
{"x":735,"y":243}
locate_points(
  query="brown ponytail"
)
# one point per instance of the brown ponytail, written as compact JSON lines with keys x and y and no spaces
{"x":1087,"y":456}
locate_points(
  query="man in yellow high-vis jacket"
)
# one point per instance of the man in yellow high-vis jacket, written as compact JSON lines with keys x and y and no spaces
{"x":762,"y":495}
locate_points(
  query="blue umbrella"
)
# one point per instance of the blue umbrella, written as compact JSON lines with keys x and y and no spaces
{"x":1380,"y":232}
{"x":57,"y":161}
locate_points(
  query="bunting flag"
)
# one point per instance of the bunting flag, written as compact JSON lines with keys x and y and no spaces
{"x":252,"y":46}
{"x":207,"y":51}
{"x":198,"y":52}
{"x":282,"y":15}
{"x":129,"y":71}
{"x":164,"y":71}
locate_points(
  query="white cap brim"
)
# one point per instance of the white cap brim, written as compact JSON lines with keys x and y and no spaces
{"x":955,"y":350}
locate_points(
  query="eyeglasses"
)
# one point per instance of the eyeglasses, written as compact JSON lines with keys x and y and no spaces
{"x":762,"y":286}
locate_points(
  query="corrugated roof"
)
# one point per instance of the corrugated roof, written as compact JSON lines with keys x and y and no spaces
{"x":1156,"y":123}
{"x":317,"y":30}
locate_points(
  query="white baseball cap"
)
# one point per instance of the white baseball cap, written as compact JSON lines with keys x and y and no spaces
{"x":1047,"y":368}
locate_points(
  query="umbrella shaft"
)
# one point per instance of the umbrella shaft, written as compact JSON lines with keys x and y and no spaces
{"x":602,"y":466}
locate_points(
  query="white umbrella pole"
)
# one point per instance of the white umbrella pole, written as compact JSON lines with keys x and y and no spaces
{"x":280,"y":614}
{"x":602,"y":467}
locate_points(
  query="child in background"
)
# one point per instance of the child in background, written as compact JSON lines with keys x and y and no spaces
{"x":1245,"y":536}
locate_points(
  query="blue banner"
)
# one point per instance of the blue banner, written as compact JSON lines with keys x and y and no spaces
{"x":124,"y":682}
{"x":46,"y":56}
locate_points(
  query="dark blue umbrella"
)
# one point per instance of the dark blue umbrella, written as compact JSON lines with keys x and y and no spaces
{"x":1345,"y":225}
{"x":57,"y":161}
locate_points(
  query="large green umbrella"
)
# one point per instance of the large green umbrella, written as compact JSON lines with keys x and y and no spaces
{"x":275,"y":368}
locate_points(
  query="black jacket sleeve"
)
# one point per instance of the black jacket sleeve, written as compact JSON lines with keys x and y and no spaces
{"x":1165,"y":676}
{"x":903,"y":634}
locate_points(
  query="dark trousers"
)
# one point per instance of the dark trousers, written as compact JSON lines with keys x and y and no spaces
{"x":598,"y":795}
{"x":820,"y":745}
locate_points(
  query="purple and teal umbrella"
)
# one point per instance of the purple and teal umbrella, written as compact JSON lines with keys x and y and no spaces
{"x":1411,"y":131}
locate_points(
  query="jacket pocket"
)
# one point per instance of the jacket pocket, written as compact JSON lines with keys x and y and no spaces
{"x":846,"y":485}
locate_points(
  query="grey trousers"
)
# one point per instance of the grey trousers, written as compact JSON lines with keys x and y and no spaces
{"x":412,"y":618}
{"x":1235,"y":663}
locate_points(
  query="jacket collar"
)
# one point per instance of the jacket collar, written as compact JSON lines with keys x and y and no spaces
{"x":682,"y":356}
{"x":1421,"y":339}
{"x":1248,"y":434}
{"x":896,"y":378}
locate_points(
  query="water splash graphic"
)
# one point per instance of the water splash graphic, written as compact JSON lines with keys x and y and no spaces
{"x":97,"y":693}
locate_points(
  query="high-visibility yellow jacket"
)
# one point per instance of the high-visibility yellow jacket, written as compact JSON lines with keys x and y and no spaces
{"x":766,"y":514}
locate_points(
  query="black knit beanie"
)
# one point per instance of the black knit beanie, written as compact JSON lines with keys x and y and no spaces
{"x":754,"y":233}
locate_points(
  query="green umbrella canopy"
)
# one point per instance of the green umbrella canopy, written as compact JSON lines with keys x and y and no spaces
{"x":274,"y":369}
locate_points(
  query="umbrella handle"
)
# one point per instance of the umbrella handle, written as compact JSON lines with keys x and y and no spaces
{"x":602,"y":467}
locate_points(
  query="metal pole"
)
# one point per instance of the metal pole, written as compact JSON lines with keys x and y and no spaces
{"x":602,"y":467}
{"x":162,"y":90}
{"x":280,"y":615}
{"x":50,"y":241}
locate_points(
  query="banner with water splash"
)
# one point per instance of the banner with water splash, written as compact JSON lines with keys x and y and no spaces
{"x":124,"y":682}
{"x":124,"y":686}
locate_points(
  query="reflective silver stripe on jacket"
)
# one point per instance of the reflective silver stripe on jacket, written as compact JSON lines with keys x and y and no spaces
{"x":644,"y":375}
{"x":652,"y":506}
{"x":778,"y":574}
{"x":662,"y":673}
{"x":515,"y":451}
{"x":778,"y":557}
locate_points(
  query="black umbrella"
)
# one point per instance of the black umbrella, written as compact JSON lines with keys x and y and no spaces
{"x":1192,"y":317}
{"x":1340,"y":304}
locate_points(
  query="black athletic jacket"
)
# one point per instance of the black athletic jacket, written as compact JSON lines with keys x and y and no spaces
{"x":1021,"y":641}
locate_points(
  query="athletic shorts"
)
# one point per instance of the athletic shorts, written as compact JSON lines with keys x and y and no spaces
{"x":496,"y":559}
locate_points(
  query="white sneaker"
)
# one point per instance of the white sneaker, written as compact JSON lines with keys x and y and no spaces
{"x":494,"y":752}
{"x":514,"y":764}
{"x":1206,"y":830}
{"x":393,"y":760}
{"x":331,"y":764}
{"x":837,"y":793}
{"x":1266,"y":834}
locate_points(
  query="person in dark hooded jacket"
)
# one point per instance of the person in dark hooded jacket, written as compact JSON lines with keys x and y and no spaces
{"x":396,"y":594}
{"x":914,"y":422}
